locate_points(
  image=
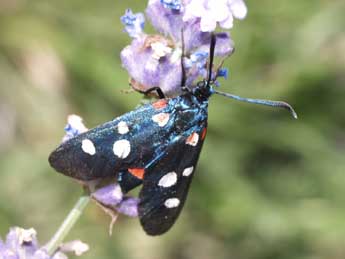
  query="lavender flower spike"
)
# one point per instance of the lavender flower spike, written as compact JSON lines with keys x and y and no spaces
{"x":155,"y":60}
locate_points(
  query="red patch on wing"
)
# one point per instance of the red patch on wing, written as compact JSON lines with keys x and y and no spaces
{"x":203,"y":133}
{"x":160,"y":104}
{"x":137,"y":172}
{"x":193,"y":139}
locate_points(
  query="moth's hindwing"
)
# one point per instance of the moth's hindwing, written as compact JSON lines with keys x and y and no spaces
{"x":166,"y":183}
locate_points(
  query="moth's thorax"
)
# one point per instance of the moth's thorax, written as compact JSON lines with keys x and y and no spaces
{"x":190,"y":111}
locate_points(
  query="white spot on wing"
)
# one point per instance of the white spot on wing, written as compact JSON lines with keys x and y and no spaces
{"x":88,"y":147}
{"x":188,"y":171}
{"x":168,"y":180}
{"x":122,"y":127}
{"x":172,"y":203}
{"x":161,"y":119}
{"x":122,"y":148}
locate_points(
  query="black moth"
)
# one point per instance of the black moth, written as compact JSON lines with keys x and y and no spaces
{"x":156,"y":145}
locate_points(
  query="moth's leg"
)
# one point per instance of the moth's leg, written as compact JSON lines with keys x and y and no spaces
{"x":157,"y":89}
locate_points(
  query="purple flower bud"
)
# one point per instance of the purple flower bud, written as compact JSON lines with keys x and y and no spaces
{"x":110,"y":195}
{"x":223,"y":72}
{"x":134,"y":23}
{"x":74,"y":127}
{"x":172,"y":4}
{"x":129,"y":206}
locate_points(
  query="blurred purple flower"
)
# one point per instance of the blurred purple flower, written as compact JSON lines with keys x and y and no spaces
{"x":22,"y":243}
{"x":76,"y":247}
{"x":112,"y":198}
{"x":155,"y":60}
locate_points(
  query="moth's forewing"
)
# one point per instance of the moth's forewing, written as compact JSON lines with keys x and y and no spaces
{"x":126,"y":142}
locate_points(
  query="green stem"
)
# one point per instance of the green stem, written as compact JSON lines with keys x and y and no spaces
{"x":67,"y":224}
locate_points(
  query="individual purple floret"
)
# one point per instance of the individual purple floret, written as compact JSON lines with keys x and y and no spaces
{"x":155,"y":60}
{"x":172,"y":4}
{"x":223,"y":72}
{"x":110,"y":195}
{"x":134,"y":23}
{"x":211,"y":12}
{"x":22,"y":243}
{"x":129,"y":206}
{"x":74,"y":127}
{"x":112,"y":198}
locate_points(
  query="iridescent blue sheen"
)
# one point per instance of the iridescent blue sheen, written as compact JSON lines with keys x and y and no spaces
{"x":187,"y":114}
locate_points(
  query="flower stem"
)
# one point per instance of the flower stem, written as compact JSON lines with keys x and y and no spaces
{"x":67,"y":224}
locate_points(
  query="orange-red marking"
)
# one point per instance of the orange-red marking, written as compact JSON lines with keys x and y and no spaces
{"x":137,"y":172}
{"x":193,"y":139}
{"x":203,"y":133}
{"x":160,"y":104}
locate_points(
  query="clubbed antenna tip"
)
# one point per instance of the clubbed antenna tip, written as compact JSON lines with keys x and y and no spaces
{"x":279,"y":104}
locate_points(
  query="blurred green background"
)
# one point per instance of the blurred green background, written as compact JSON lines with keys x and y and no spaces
{"x":267,"y":186}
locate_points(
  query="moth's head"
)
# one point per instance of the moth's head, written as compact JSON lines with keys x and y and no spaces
{"x":203,"y":90}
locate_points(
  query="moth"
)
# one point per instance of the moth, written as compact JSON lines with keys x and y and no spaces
{"x":156,"y":146}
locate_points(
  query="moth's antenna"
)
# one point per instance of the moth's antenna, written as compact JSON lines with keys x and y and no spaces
{"x":212,"y":47}
{"x":183,"y":78}
{"x":279,"y":104}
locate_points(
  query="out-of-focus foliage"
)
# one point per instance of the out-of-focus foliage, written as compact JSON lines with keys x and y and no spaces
{"x":267,"y":186}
